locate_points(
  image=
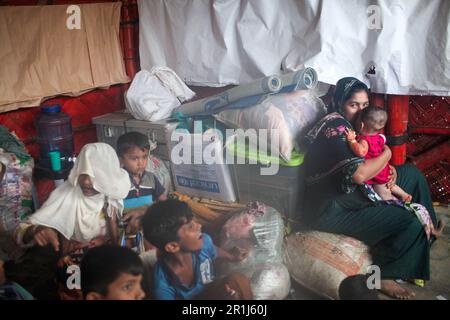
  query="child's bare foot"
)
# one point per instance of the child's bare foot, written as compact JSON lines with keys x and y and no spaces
{"x":407,"y":197}
{"x":394,"y":290}
{"x":437,"y":232}
{"x":400,"y":193}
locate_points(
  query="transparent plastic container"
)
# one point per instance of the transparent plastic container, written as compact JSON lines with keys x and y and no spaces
{"x":54,"y":130}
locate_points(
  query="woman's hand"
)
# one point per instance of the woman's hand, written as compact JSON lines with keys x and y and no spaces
{"x":2,"y":273}
{"x":45,"y":236}
{"x":69,"y":247}
{"x":371,"y":167}
{"x":392,"y":176}
{"x":98,"y":241}
{"x":133,"y":219}
{"x":387,"y":151}
{"x":2,"y":171}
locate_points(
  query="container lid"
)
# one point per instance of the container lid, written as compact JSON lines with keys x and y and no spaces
{"x":266,"y":159}
{"x":51,"y":109}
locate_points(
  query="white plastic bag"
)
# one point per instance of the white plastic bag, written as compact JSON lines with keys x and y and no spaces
{"x":161,"y":172}
{"x":154,"y":94}
{"x":270,"y":282}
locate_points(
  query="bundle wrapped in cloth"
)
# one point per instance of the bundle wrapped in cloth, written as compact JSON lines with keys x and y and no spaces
{"x":259,"y":230}
{"x":208,"y":211}
{"x":285,"y":116}
{"x":16,"y":169}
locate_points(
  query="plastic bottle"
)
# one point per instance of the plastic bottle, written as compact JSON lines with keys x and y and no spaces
{"x":54,"y":134}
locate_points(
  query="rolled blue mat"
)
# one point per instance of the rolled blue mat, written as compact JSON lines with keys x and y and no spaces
{"x":211,"y":105}
{"x":303,"y":79}
{"x":245,"y":102}
{"x":240,"y":104}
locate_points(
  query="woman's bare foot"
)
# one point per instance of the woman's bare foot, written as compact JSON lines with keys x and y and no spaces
{"x":437,"y":232}
{"x":2,"y":274}
{"x":394,"y":290}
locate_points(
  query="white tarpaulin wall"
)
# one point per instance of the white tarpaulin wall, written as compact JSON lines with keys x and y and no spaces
{"x":222,"y":42}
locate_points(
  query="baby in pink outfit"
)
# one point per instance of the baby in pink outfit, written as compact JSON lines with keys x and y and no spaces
{"x":369,"y":144}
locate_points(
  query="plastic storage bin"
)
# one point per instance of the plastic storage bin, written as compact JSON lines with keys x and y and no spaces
{"x":156,"y":131}
{"x":282,"y":191}
{"x":110,"y":127}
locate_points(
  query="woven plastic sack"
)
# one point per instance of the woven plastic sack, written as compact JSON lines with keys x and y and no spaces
{"x":320,"y":261}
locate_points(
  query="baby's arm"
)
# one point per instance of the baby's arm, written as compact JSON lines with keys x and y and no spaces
{"x":359,"y":148}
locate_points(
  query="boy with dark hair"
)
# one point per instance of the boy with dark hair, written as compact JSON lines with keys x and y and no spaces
{"x":10,"y":290}
{"x":133,"y":151}
{"x":185,"y":267}
{"x":111,"y":273}
{"x":355,"y":288}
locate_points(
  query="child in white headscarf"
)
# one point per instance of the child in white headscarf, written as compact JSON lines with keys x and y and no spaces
{"x":84,"y":210}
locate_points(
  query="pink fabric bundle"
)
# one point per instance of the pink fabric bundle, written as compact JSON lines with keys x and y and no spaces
{"x":240,"y":226}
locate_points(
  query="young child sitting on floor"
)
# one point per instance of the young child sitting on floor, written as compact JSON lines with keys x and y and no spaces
{"x":369,"y":144}
{"x":112,"y":273}
{"x":185,"y":266}
{"x":133,"y":151}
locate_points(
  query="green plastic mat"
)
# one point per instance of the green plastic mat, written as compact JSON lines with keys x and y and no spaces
{"x":265,"y":159}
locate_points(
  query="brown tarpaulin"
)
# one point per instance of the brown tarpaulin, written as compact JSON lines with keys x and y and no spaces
{"x":40,"y":57}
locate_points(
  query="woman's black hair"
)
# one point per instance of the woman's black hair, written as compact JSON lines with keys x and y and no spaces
{"x":162,"y":221}
{"x":102,"y":265}
{"x":345,"y":89}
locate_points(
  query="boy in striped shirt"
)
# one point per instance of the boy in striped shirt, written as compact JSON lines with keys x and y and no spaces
{"x":133,"y":151}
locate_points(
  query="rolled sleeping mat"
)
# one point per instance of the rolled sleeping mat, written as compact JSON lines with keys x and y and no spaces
{"x":213,"y":104}
{"x":302,"y":79}
{"x":244,"y":103}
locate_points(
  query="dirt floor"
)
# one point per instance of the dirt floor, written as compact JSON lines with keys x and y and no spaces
{"x":438,"y":288}
{"x":439,"y":284}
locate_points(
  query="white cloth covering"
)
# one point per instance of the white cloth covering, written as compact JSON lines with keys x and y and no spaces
{"x":216,"y":43}
{"x":76,"y":216}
